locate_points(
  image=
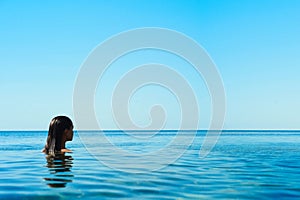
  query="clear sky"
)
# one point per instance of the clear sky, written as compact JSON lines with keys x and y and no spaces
{"x":254,"y":43}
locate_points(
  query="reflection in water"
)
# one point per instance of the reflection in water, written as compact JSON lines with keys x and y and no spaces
{"x":60,"y":170}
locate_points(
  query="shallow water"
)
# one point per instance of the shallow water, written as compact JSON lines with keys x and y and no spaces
{"x":243,"y":165}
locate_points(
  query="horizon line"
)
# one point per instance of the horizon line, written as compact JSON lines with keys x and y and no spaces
{"x":163,"y":130}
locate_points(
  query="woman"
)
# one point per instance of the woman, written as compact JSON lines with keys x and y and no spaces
{"x":60,"y":131}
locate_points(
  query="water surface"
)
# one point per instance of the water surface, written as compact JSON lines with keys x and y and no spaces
{"x":243,"y":165}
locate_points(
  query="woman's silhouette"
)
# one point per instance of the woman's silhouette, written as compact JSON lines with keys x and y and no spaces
{"x":59,"y":164}
{"x":60,"y":131}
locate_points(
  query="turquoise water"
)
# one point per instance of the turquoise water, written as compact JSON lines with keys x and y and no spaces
{"x":243,"y":165}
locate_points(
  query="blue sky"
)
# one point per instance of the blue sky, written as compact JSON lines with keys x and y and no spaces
{"x":255,"y":45}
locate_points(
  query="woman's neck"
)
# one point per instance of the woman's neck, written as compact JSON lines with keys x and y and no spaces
{"x":63,"y":144}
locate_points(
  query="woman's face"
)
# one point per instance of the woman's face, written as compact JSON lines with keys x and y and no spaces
{"x":69,"y":134}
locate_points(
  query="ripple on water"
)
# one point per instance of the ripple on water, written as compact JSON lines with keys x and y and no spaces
{"x":253,"y":166}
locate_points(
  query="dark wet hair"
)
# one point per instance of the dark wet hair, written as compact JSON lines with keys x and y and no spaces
{"x":56,"y":129}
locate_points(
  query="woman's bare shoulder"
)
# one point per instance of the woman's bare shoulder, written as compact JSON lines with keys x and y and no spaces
{"x":65,"y":150}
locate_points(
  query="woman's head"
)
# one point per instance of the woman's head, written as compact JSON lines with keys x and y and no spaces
{"x":60,"y":131}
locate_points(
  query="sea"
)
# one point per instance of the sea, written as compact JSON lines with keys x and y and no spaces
{"x":256,"y":164}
